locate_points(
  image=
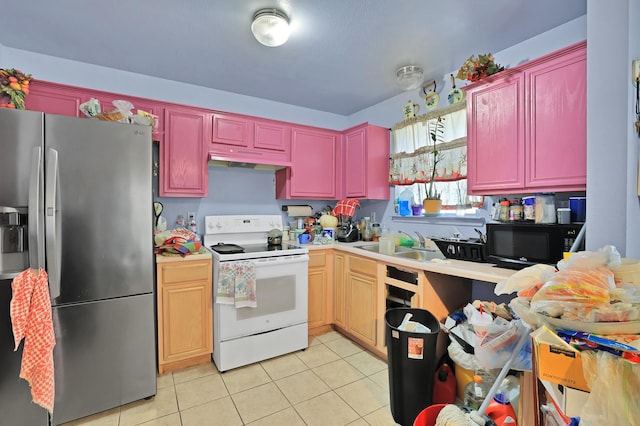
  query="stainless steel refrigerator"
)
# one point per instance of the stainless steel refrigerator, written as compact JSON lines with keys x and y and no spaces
{"x":76,"y":199}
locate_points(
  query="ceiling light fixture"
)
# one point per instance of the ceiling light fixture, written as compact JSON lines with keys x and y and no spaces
{"x":270,"y":27}
{"x":409,"y":77}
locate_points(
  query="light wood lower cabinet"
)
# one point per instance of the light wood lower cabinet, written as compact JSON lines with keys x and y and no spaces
{"x":339,"y":290}
{"x":320,"y":296}
{"x":185,"y":323}
{"x":355,"y":288}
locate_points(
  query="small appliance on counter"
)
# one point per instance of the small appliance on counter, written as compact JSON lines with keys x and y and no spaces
{"x":472,"y":249}
{"x":521,"y":244}
{"x":347,"y":232}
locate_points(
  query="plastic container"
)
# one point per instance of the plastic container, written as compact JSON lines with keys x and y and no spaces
{"x":545,"y":208}
{"x":411,"y":360}
{"x":564,"y":215}
{"x":578,"y":206}
{"x":628,"y":271}
{"x":387,"y":244}
{"x":405,"y":201}
{"x":528,"y":208}
{"x":501,"y":411}
{"x":464,"y":376}
{"x":444,"y":386}
{"x":475,"y":393}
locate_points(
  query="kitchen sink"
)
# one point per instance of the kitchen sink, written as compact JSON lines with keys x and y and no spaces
{"x":376,"y":249}
{"x":421,"y":255}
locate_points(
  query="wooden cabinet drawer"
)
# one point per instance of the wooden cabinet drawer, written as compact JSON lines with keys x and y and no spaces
{"x":317,"y":259}
{"x":362,"y":266}
{"x":180,"y":273}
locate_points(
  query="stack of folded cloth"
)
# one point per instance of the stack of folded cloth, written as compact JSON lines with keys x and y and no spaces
{"x":176,"y":242}
{"x":345,"y":208}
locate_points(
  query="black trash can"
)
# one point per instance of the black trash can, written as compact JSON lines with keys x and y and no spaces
{"x":412,"y":363}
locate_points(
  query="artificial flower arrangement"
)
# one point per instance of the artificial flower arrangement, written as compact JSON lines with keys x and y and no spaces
{"x":478,"y":68}
{"x":14,"y":87}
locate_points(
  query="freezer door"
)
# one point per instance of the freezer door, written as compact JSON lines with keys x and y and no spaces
{"x":21,"y":132}
{"x":15,"y":397}
{"x":100,"y":195}
{"x":104,"y":355}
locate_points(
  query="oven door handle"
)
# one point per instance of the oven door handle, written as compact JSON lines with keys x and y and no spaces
{"x":276,"y":260}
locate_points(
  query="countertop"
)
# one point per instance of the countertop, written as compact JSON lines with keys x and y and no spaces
{"x":459,"y":268}
{"x":203,"y":255}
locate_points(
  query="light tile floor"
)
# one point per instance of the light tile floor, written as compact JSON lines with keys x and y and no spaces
{"x":333,"y":382}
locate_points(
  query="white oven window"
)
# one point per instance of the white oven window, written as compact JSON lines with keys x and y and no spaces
{"x":274,"y":295}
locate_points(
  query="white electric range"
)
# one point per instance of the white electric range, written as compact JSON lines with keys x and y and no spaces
{"x":278,"y":323}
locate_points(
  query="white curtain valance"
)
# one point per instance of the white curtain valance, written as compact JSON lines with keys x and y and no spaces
{"x":412,"y":158}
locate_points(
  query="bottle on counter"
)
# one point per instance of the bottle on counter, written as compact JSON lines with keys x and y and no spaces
{"x":515,"y":210}
{"x":367,"y":232}
{"x":180,"y":222}
{"x":504,"y":210}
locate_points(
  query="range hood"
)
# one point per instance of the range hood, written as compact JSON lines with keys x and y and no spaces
{"x":257,"y":164}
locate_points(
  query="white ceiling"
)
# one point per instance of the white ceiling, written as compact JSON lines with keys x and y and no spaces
{"x":341,"y":56}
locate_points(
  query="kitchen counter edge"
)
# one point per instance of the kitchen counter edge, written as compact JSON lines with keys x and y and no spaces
{"x":460,"y":268}
{"x":168,"y":259}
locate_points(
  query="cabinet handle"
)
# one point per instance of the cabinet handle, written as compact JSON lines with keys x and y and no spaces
{"x":241,"y":151}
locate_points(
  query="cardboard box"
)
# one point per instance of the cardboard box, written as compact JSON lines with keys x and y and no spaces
{"x":558,"y":362}
{"x":569,"y":401}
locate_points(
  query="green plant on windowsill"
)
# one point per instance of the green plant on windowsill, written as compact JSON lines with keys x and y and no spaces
{"x":436,"y":134}
{"x":432,"y":204}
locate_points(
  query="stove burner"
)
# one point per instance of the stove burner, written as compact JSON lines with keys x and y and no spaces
{"x":223,"y":248}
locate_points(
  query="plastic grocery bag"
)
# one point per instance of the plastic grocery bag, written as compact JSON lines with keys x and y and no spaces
{"x":586,"y":260}
{"x":615,"y":386}
{"x":526,"y":281}
{"x":497,"y":344}
{"x":571,"y":289}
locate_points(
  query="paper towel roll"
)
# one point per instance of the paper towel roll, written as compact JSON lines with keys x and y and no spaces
{"x":299,"y":211}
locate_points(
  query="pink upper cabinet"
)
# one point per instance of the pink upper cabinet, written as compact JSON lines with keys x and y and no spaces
{"x":183,"y":156}
{"x":557,"y":125}
{"x":315,"y":171}
{"x":495,"y":136}
{"x":527,"y":127}
{"x":52,"y":98}
{"x":366,"y":162}
{"x":248,"y":139}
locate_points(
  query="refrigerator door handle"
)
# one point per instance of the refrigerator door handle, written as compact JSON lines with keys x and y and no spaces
{"x":34,"y":211}
{"x":53,"y":219}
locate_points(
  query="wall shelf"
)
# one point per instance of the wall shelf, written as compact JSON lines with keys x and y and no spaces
{"x":442,"y":219}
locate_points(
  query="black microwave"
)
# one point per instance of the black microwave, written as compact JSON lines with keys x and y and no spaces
{"x":521,"y":244}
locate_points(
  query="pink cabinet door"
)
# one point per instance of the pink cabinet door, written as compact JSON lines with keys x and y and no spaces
{"x":52,"y":98}
{"x":183,"y":154}
{"x":230,"y":129}
{"x":315,"y":171}
{"x":271,"y":135}
{"x":366,"y":162}
{"x":557,"y":123}
{"x":355,"y":163}
{"x":495,"y":136}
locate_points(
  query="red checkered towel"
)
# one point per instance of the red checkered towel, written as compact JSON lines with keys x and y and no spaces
{"x":31,"y":319}
{"x":346,"y":208}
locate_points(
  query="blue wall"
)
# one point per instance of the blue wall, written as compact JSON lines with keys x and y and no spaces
{"x":611,"y":161}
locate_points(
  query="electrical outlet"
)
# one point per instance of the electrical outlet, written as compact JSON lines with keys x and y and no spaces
{"x":635,"y":71}
{"x":191,"y":216}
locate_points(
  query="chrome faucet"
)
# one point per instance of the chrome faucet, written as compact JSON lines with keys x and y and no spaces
{"x":420,"y":239}
{"x":408,"y":235}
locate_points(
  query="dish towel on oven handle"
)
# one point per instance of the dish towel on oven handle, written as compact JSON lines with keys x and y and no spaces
{"x":237,"y":284}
